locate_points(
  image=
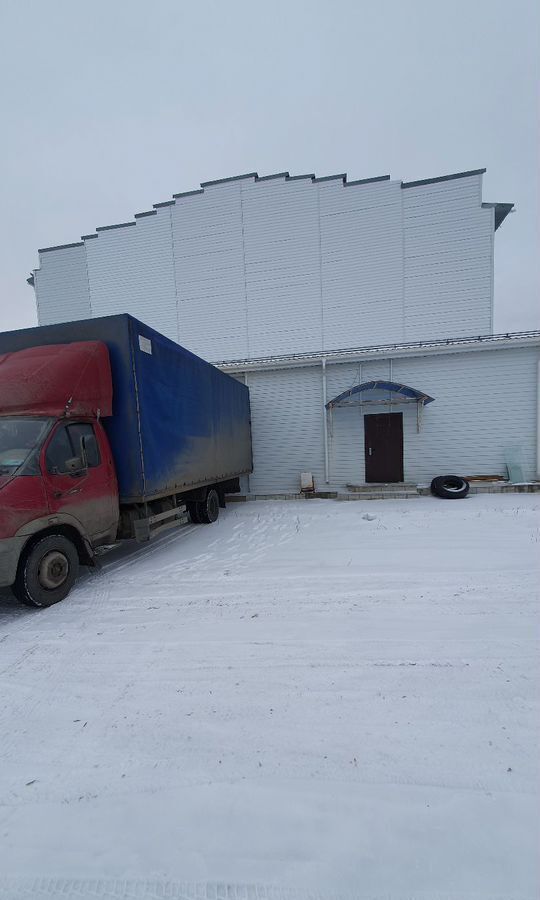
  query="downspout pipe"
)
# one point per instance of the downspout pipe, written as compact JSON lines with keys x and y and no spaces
{"x":325,"y":423}
{"x":248,"y":485}
{"x":538,"y":423}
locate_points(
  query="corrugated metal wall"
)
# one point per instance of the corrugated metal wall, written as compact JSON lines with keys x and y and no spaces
{"x":448,"y":247}
{"x":61,"y":284}
{"x":287,"y":428}
{"x":362,"y":263}
{"x":252,"y":268}
{"x":209,"y":264}
{"x":130,"y":269}
{"x":282,"y":265}
{"x":484,"y":401}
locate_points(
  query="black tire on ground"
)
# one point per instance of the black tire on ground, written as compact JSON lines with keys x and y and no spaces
{"x":208,"y":510}
{"x":450,"y":487}
{"x":47,"y":571}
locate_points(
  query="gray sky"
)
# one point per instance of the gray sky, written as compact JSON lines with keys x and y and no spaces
{"x":109,"y":107}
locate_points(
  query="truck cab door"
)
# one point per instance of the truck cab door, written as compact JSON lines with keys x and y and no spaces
{"x":89,"y":494}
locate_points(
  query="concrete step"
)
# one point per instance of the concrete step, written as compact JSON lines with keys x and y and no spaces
{"x":375,"y":487}
{"x":378,"y":495}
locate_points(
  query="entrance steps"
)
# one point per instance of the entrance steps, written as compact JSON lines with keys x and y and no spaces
{"x":401,"y":490}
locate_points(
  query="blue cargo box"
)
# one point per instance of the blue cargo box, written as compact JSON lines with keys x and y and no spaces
{"x":177,"y":423}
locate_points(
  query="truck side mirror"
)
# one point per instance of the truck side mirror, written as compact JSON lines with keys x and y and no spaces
{"x":75,"y":466}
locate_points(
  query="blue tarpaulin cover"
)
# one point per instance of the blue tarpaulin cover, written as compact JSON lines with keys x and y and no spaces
{"x":177,"y":421}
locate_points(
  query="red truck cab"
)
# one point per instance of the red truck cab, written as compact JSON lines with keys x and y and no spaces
{"x":58,"y":489}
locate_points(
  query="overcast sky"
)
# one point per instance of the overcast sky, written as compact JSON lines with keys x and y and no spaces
{"x":109,"y":107}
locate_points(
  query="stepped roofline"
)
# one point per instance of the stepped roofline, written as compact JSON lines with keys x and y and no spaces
{"x":501,"y":209}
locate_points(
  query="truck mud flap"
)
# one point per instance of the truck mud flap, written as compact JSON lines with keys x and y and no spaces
{"x":146,"y":529}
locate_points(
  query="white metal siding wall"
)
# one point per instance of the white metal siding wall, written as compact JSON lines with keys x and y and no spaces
{"x":210,"y":272}
{"x":61,"y":283}
{"x":282,"y":265}
{"x":448,"y":242}
{"x":131,"y":270}
{"x":286,"y":416}
{"x":251,"y":268}
{"x":484,"y":402}
{"x":362,"y":263}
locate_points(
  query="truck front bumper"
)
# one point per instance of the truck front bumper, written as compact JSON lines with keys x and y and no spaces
{"x":10,"y":550}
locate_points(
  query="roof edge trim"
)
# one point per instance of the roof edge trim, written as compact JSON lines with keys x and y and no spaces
{"x":367,"y":180}
{"x":501,"y":211}
{"x":387,"y":350}
{"x":410,"y":184}
{"x":341,"y":175}
{"x":184,"y":194}
{"x":111,"y":227}
{"x":276,"y":175}
{"x":60,"y":247}
{"x":230,"y":178}
{"x":311,"y":176}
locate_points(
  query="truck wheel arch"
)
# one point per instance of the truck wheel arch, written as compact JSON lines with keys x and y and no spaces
{"x":84,"y":550}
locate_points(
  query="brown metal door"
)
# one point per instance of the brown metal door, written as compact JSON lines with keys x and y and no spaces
{"x":383,"y":442}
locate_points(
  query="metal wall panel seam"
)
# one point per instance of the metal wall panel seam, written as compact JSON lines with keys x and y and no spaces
{"x":325,"y":425}
{"x":403,"y":296}
{"x":321,"y":291}
{"x":173,"y":253}
{"x":87,"y":279}
{"x":492,"y":267}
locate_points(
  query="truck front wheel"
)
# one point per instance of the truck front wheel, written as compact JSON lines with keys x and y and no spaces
{"x":47,"y":571}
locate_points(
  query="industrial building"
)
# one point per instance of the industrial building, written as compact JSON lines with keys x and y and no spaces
{"x":360,"y":314}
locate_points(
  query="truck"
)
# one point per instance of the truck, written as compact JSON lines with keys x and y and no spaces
{"x":109,"y":431}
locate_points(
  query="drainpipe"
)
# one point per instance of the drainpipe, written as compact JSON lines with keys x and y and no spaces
{"x":538,"y":423}
{"x":248,"y":485}
{"x":325,"y":422}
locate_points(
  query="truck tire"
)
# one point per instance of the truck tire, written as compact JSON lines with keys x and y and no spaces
{"x":47,"y":571}
{"x":450,"y":487}
{"x":208,"y":510}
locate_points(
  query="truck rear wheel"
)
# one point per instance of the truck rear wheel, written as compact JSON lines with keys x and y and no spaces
{"x":208,"y":510}
{"x":47,"y":571}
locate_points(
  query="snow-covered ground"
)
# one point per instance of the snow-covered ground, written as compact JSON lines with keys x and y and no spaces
{"x":333,"y":698}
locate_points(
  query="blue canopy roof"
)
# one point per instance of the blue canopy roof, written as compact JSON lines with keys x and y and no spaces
{"x":403,"y":394}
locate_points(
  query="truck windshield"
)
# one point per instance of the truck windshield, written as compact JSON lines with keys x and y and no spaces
{"x":18,"y":437}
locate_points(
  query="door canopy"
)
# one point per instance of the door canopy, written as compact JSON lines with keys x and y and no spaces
{"x":386,"y":393}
